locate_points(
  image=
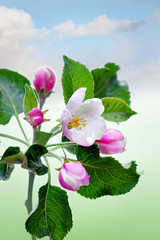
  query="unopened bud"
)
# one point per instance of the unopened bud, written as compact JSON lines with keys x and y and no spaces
{"x":36,"y":117}
{"x":112,"y":142}
{"x":72,"y":175}
{"x":44,"y":81}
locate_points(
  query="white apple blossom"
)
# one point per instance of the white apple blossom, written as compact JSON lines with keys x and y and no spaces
{"x":81,"y":121}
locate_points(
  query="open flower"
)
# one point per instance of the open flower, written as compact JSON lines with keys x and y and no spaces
{"x":81,"y":121}
{"x":112,"y":142}
{"x":73,"y":175}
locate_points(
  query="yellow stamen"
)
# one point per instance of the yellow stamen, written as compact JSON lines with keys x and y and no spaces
{"x":77,"y":123}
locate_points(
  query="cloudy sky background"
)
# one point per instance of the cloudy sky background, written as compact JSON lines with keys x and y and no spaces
{"x":38,"y":33}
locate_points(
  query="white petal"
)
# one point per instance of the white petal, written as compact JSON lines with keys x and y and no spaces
{"x":94,"y":130}
{"x":65,"y":119}
{"x":97,"y":127}
{"x":71,"y":180}
{"x":76,"y":100}
{"x":91,"y":108}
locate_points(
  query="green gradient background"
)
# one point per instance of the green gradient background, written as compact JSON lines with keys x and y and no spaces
{"x":135,"y":215}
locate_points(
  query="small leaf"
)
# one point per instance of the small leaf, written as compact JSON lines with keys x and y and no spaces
{"x":76,"y":75}
{"x":5,"y":171}
{"x":42,"y":170}
{"x":10,"y":152}
{"x":7,"y":168}
{"x":33,"y":161}
{"x":12,"y":156}
{"x":43,"y":137}
{"x":12,"y":90}
{"x":30,"y":100}
{"x":107,"y":175}
{"x":14,"y":159}
{"x":107,"y":84}
{"x":52,"y":216}
{"x":116,"y":110}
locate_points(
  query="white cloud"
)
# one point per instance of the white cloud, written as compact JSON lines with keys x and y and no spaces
{"x":101,"y":25}
{"x":157,"y":15}
{"x":143,"y":77}
{"x":16,"y":31}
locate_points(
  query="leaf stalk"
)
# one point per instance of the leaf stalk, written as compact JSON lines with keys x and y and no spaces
{"x":14,"y":138}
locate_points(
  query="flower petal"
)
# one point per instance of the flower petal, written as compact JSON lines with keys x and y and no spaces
{"x":63,"y":183}
{"x":113,"y":148}
{"x":75,"y":101}
{"x":75,"y":168}
{"x":112,"y":135}
{"x":94,"y":130}
{"x":112,"y":142}
{"x":91,"y":108}
{"x":71,"y":179}
{"x":65,"y":119}
{"x":50,"y":80}
{"x":35,"y":112}
{"x":85,"y":180}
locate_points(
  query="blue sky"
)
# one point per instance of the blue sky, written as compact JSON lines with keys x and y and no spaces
{"x":53,"y":12}
{"x":92,"y":32}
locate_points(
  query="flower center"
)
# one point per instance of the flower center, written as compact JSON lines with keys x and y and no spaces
{"x":77,"y":123}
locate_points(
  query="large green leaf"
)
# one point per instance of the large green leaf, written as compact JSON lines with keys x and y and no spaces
{"x":107,"y":175}
{"x":52,"y":216}
{"x":76,"y":75}
{"x":116,"y":110}
{"x":107,"y":84}
{"x":11,"y":155}
{"x":30,"y":100}
{"x":33,"y":159}
{"x":12,"y":90}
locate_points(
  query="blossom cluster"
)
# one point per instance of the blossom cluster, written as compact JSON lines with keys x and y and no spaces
{"x":82,"y":124}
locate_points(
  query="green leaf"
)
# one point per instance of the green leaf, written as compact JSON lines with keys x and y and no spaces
{"x":12,"y":156}
{"x":30,"y":100}
{"x":33,"y":161}
{"x":6,"y":167}
{"x":107,"y":84}
{"x":75,"y":75}
{"x":52,"y":216}
{"x":43,"y":137}
{"x":42,"y":170}
{"x":5,"y":171}
{"x":12,"y":90}
{"x":116,"y":110}
{"x":107,"y":175}
{"x":10,"y":152}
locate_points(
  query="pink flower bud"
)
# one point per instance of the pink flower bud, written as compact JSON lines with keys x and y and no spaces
{"x":44,"y":80}
{"x":35,"y":117}
{"x":73,"y":175}
{"x":112,"y":142}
